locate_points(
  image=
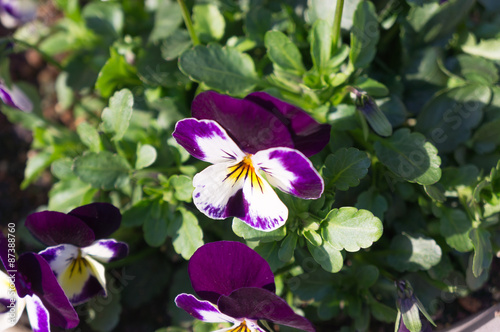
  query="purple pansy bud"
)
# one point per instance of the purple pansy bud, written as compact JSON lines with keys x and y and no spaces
{"x":409,"y":309}
{"x":372,"y":113}
{"x":15,"y":97}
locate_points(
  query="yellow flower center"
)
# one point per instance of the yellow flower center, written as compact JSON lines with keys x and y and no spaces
{"x":241,"y":328}
{"x":244,"y":170}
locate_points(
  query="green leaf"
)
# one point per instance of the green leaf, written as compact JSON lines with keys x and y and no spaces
{"x":186,"y":234}
{"x":138,"y":213}
{"x":174,"y":45}
{"x":65,"y":95}
{"x":410,"y":253}
{"x":486,"y":48}
{"x":223,"y":69}
{"x":183,"y":187}
{"x":241,"y":229}
{"x":146,"y":156}
{"x":155,"y":226}
{"x":61,"y":169}
{"x":483,"y":253}
{"x":116,"y":117}
{"x":106,"y":19}
{"x":153,"y":70}
{"x":351,"y":229}
{"x":283,"y":52}
{"x":287,"y":247}
{"x":477,"y":70}
{"x":455,"y":226}
{"x":103,"y":170}
{"x":89,"y":136}
{"x":321,"y":44}
{"x":371,"y":87}
{"x":373,"y":201}
{"x":327,"y":256}
{"x":105,"y":311}
{"x":345,"y":168}
{"x":447,"y":119}
{"x":168,"y":17}
{"x":35,"y":166}
{"x":208,"y":21}
{"x":116,"y":73}
{"x":313,"y":237}
{"x":70,"y":193}
{"x":409,"y":156}
{"x":364,"y":35}
{"x":270,"y":252}
{"x":487,"y":133}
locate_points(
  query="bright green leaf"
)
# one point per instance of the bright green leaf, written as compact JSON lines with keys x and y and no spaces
{"x":351,"y":229}
{"x":116,"y":117}
{"x":241,"y":229}
{"x":455,"y":226}
{"x":115,"y":74}
{"x":89,"y":136}
{"x":186,"y":234}
{"x":413,"y":253}
{"x":146,"y":156}
{"x":327,"y":256}
{"x":283,"y":52}
{"x":208,"y":21}
{"x":183,"y":187}
{"x":364,"y":35}
{"x":321,"y":44}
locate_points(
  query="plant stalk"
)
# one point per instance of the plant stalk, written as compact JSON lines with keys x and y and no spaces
{"x":336,"y":25}
{"x":189,"y":24}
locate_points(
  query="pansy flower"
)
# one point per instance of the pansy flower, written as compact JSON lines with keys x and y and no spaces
{"x":252,"y":143}
{"x":31,"y":284}
{"x":78,"y":248}
{"x":236,"y":286}
{"x":14,"y":97}
{"x":14,"y":13}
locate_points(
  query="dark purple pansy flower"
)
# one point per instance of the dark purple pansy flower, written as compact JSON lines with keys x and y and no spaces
{"x":236,"y":286}
{"x":244,"y":139}
{"x":77,"y":248}
{"x":31,"y":283}
{"x":14,"y":97}
{"x":260,"y":121}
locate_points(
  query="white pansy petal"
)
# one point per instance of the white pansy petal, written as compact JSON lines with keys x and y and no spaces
{"x":215,"y":194}
{"x":206,"y":140}
{"x":37,"y":314}
{"x":290,"y":171}
{"x":11,"y":305}
{"x":106,"y":250}
{"x":264,"y":210}
{"x":202,"y":310}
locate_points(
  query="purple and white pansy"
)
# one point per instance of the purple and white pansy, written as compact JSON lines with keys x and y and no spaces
{"x":14,"y":97}
{"x":77,"y":248}
{"x":236,"y":286}
{"x":252,"y":143}
{"x":14,"y":13}
{"x":31,"y":284}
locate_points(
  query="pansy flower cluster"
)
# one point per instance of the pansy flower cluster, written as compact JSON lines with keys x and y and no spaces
{"x":67,"y":273}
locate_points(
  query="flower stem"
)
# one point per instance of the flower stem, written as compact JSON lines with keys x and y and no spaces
{"x":336,"y":24}
{"x":44,"y":55}
{"x":188,"y":22}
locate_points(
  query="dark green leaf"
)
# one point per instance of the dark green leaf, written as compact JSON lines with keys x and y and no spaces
{"x":174,"y":45}
{"x":345,"y":168}
{"x":103,"y":170}
{"x":372,"y":201}
{"x":409,"y":253}
{"x":223,"y":69}
{"x":168,"y":17}
{"x":89,"y":136}
{"x":455,"y":226}
{"x":155,"y":222}
{"x":283,"y":52}
{"x":409,"y":156}
{"x":321,"y":44}
{"x":105,"y":311}
{"x":287,"y":247}
{"x":483,"y":253}
{"x":364,"y":35}
{"x":327,"y":256}
{"x":116,"y":117}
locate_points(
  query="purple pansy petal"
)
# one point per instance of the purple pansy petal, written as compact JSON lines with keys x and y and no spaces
{"x":206,"y":140}
{"x":309,"y":136}
{"x":257,"y":303}
{"x":202,"y":310}
{"x":261,"y":121}
{"x":219,"y":268}
{"x":53,"y":228}
{"x":15,"y":97}
{"x":36,"y":277}
{"x":223,"y":191}
{"x":16,"y":12}
{"x":4,"y":254}
{"x":250,"y":125}
{"x":6,"y":301}
{"x":102,"y":218}
{"x":80,"y":276}
{"x":37,"y":314}
{"x":290,"y":171}
{"x":106,"y":250}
